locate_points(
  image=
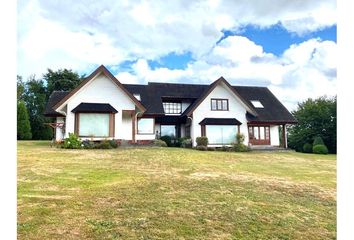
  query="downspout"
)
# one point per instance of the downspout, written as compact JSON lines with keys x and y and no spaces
{"x":191,"y":129}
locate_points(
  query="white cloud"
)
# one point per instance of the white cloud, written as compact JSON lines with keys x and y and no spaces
{"x":82,"y":35}
{"x":304,"y":70}
{"x":79,"y":34}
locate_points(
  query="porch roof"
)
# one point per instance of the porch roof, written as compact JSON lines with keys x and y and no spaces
{"x":94,"y":108}
{"x":220,"y":121}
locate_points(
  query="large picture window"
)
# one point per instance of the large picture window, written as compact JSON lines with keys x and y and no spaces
{"x":219,"y":104}
{"x":168,"y":130}
{"x":146,"y":126}
{"x":172,"y":107}
{"x":94,"y":124}
{"x":221,"y":134}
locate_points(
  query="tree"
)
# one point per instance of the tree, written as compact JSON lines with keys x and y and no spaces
{"x":20,"y":88}
{"x":35,"y":99}
{"x":61,"y":80}
{"x":23,"y":123}
{"x":315,"y":118}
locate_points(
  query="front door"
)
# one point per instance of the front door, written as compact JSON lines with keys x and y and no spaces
{"x":259,"y":135}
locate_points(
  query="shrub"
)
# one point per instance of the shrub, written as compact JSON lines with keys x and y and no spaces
{"x":72,"y":142}
{"x":307,"y":148}
{"x":202,"y":141}
{"x":167,"y":140}
{"x":240,"y":138}
{"x":159,"y":143}
{"x":318,"y":141}
{"x":186,"y":143}
{"x":211,"y":148}
{"x":320,"y":149}
{"x":87,"y":144}
{"x":239,"y":146}
{"x":113,"y":143}
{"x":103,"y":145}
{"x":201,"y":148}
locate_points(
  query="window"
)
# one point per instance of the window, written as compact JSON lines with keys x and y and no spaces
{"x":257,"y":104}
{"x":146,"y":126}
{"x":258,"y":132}
{"x":94,"y":124}
{"x":137,"y":96}
{"x":221,"y":134}
{"x":168,"y":130}
{"x":172,"y":107}
{"x":219,"y":104}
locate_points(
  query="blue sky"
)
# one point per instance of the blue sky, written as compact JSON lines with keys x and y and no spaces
{"x":275,"y":39}
{"x":288,"y":47}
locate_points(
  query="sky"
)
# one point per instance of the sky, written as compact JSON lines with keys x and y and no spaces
{"x":288,"y":46}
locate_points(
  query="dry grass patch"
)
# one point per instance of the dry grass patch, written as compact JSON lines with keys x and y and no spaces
{"x":171,"y":193}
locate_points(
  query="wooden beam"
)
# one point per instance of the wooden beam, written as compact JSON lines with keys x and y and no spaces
{"x":284,"y":137}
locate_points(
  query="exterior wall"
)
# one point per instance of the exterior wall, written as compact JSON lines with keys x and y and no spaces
{"x":101,"y":90}
{"x":185,"y":105}
{"x":236,"y":110}
{"x":274,"y":135}
{"x":59,"y":135}
{"x":127,"y":127}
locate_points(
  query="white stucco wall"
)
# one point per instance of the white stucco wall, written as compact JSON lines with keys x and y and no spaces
{"x":236,"y":110}
{"x":59,"y":131}
{"x":101,"y":89}
{"x":274,"y":135}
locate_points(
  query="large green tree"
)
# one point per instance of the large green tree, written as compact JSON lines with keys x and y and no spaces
{"x":23,"y":123}
{"x":316,"y":117}
{"x":61,"y":80}
{"x":35,"y":98}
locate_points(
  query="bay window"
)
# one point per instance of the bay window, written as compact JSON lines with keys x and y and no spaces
{"x":94,"y":124}
{"x":221,"y":134}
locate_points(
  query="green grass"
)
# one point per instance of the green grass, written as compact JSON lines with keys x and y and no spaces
{"x":171,"y":193}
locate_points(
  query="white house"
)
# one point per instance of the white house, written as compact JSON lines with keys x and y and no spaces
{"x":103,"y":108}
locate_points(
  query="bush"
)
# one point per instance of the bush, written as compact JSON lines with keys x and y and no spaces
{"x":202,"y":141}
{"x":72,"y":142}
{"x":211,"y":148}
{"x":307,"y":148}
{"x":318,"y":141}
{"x":113,"y":143}
{"x":240,"y":138}
{"x":87,"y":144}
{"x":239,"y":146}
{"x":320,"y":149}
{"x":105,"y":144}
{"x":159,"y":143}
{"x":186,"y":143}
{"x":167,"y":140}
{"x":201,"y":148}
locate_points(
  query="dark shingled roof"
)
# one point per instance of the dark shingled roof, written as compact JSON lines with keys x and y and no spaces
{"x":273,"y":111}
{"x":94,"y":107}
{"x":220,"y":121}
{"x":152,"y":94}
{"x":54,"y":98}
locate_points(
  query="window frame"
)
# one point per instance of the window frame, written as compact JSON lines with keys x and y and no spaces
{"x":111,"y":126}
{"x":221,"y":102}
{"x":172,"y":106}
{"x":145,"y":133}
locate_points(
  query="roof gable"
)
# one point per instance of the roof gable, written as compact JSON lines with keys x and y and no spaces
{"x":207,"y":91}
{"x":100,"y":70}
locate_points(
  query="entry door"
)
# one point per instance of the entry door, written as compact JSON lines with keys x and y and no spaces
{"x":259,"y":135}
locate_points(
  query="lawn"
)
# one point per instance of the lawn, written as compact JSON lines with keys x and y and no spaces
{"x":173,"y":193}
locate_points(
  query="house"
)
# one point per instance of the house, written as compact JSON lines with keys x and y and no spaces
{"x":103,"y":108}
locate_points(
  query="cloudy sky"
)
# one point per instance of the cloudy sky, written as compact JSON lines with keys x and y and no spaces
{"x":288,"y":46}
